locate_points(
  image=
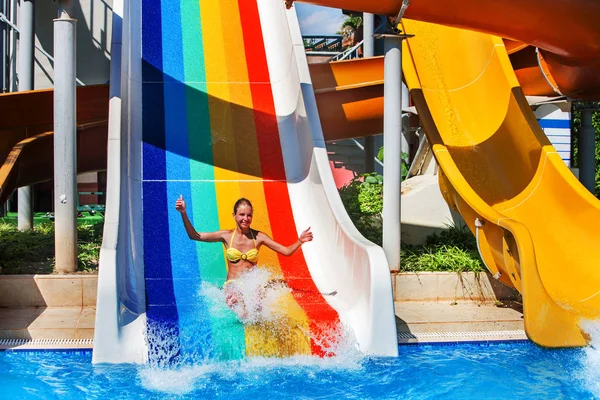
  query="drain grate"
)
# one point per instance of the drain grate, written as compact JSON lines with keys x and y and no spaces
{"x":473,"y":335}
{"x":46,"y":342}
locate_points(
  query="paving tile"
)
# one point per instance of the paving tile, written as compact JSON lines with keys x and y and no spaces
{"x":87,"y":333}
{"x":87,"y":318}
{"x":461,"y":317}
{"x":14,"y":334}
{"x":52,"y":333}
{"x":18,"y":318}
{"x":407,"y":315}
{"x":54,"y":318}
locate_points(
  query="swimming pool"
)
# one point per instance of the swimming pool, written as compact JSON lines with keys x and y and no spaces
{"x":517,"y":370}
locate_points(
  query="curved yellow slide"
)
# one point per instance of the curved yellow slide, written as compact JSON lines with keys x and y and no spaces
{"x":535,"y":223}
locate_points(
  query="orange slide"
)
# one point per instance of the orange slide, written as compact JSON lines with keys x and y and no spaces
{"x":554,"y":48}
{"x":26,"y":135}
{"x":530,"y":215}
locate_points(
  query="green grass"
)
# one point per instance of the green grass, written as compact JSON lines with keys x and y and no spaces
{"x":452,"y":250}
{"x":33,"y":252}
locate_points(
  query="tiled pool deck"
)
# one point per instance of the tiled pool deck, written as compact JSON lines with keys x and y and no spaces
{"x":53,"y":311}
{"x":70,"y":327}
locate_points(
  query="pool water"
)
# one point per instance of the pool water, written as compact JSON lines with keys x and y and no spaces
{"x":516,"y":370}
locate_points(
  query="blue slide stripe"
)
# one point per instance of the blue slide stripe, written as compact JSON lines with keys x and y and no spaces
{"x":161,"y":309}
{"x":194,"y":320}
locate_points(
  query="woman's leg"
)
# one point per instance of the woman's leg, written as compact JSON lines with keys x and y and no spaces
{"x":235,"y":300}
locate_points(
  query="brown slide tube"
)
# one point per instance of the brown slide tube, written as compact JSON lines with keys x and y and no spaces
{"x":567,"y":32}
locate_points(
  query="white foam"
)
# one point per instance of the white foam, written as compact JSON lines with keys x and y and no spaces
{"x":257,"y":292}
{"x":590,"y":374}
{"x":176,"y":381}
{"x":164,"y":338}
{"x":261,"y":293}
{"x":185,"y":379}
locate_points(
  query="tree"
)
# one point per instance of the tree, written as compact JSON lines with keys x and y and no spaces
{"x":350,"y":25}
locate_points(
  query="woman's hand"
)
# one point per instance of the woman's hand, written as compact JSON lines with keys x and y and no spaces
{"x":306,"y":236}
{"x":180,"y":204}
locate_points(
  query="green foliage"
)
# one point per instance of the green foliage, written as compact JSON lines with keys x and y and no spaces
{"x":33,"y":252}
{"x":440,"y":258}
{"x":456,"y":236}
{"x":88,"y":254}
{"x":405,"y":164}
{"x":576,"y":127}
{"x":350,"y":24}
{"x":308,"y":42}
{"x":453,"y":249}
{"x":363,"y":200}
{"x":370,"y":194}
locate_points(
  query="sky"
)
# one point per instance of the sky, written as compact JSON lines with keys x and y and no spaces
{"x":315,"y":20}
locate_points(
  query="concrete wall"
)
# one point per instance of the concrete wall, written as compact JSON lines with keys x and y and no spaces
{"x":424,"y":211}
{"x":94,"y":30}
{"x":21,"y":291}
{"x":450,"y":286}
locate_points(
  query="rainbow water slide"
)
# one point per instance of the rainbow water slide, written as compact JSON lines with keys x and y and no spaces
{"x":534,"y":222}
{"x":213,"y":101}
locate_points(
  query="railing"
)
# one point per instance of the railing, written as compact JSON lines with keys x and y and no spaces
{"x":323,"y":43}
{"x":5,"y":20}
{"x":349,"y":54}
{"x":352,"y":52}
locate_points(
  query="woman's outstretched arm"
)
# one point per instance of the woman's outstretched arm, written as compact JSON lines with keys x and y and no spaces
{"x":305,"y":236}
{"x":189,"y":228}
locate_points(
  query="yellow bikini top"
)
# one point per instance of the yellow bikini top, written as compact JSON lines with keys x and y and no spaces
{"x":234,"y":255}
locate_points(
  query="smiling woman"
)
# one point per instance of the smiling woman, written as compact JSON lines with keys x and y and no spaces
{"x":243,"y":244}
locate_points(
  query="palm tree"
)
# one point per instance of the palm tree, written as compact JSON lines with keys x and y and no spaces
{"x":350,"y":25}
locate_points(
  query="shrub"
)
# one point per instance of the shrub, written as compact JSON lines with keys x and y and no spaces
{"x":363,"y":200}
{"x":33,"y":252}
{"x":576,"y":126}
{"x":453,"y":249}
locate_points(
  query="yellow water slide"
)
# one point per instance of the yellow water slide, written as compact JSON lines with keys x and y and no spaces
{"x":536,"y":224}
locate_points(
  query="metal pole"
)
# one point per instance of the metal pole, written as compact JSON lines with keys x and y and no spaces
{"x":405,"y":123}
{"x":25,"y":74}
{"x":392,"y":148}
{"x":3,"y":29}
{"x":368,"y":31}
{"x":65,"y":157}
{"x":12,"y":48}
{"x":369,"y":51}
{"x":587,"y":149}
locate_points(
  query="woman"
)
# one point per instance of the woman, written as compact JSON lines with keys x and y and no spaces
{"x":243,"y":244}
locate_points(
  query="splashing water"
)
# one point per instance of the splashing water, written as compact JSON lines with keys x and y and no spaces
{"x":163,"y":342}
{"x":245,"y":373}
{"x":275,"y":328}
{"x":254,"y":296}
{"x":590,"y":373}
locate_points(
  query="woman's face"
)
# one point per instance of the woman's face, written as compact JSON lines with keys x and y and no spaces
{"x":243,"y":216}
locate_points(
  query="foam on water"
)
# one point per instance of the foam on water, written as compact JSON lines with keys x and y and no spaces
{"x":260,"y":296}
{"x":186,"y":379}
{"x":590,"y":373}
